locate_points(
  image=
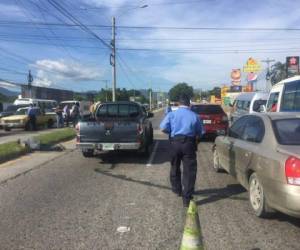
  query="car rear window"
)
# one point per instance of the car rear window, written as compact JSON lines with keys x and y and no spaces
{"x":118,"y":110}
{"x":287,"y":131}
{"x":207,"y":109}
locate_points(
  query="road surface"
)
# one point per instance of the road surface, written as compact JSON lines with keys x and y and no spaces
{"x":73,"y":202}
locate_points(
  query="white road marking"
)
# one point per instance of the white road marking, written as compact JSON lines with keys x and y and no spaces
{"x":149,"y":164}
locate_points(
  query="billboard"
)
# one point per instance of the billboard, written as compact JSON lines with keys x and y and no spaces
{"x":252,"y":66}
{"x":236,"y":76}
{"x":292,"y":66}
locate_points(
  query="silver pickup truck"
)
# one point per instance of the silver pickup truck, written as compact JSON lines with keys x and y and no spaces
{"x":116,"y":126}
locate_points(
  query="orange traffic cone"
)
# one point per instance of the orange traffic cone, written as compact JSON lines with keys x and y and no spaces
{"x":191,"y":239}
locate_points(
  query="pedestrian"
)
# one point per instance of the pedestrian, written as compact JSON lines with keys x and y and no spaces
{"x":75,"y":113}
{"x":185,"y":128}
{"x":31,"y":112}
{"x":168,"y":109}
{"x":59,"y":116}
{"x":66,"y":114}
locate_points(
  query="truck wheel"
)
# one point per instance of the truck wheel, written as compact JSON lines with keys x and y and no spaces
{"x":27,"y":126}
{"x":88,"y":153}
{"x":7,"y":129}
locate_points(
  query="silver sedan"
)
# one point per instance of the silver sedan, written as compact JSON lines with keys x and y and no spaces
{"x":263,"y":152}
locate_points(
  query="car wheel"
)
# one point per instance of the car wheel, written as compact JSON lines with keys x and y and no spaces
{"x":216,"y":164}
{"x":50,"y":123}
{"x":7,"y":129}
{"x":257,"y":197}
{"x":88,"y":153}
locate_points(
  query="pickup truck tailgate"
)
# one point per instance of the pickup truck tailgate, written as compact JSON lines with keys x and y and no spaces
{"x":109,"y":131}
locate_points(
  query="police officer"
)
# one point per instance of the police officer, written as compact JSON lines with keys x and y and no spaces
{"x":185,"y":128}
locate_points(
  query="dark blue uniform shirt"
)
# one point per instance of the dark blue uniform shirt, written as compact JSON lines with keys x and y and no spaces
{"x":183,"y":121}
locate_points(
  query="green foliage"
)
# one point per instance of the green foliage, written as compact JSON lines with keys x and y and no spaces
{"x":57,"y":136}
{"x":179,"y":89}
{"x":216,"y":91}
{"x":11,"y":150}
{"x":9,"y":99}
{"x":277,"y":72}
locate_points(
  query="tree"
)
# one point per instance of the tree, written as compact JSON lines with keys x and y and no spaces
{"x":179,"y":89}
{"x":216,"y":91}
{"x":277,"y":72}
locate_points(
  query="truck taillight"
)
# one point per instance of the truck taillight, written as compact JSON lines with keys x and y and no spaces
{"x":77,"y":127}
{"x":140,"y":129}
{"x":292,"y":170}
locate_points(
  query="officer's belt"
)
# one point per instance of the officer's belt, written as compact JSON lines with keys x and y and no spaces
{"x":183,"y":138}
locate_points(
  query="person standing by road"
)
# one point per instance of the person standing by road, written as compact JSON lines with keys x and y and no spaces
{"x":66,"y":114}
{"x":185,"y":129}
{"x":59,"y":116}
{"x":32,"y":116}
{"x":75,"y":113}
{"x":168,"y":109}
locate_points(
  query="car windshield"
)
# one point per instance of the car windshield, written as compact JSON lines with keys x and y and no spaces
{"x":21,"y":112}
{"x":207,"y":109}
{"x":287,"y":131}
{"x":11,"y":108}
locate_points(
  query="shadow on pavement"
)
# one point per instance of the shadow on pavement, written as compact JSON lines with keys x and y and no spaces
{"x":129,"y":179}
{"x":285,"y":218}
{"x":216,"y":194}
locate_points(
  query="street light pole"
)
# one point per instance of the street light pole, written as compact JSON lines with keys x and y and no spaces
{"x":113,"y":59}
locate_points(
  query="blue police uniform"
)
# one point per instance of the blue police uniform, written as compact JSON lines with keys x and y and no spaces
{"x":32,"y":112}
{"x":183,"y":127}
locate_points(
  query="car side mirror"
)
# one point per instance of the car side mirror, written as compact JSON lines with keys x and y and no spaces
{"x":150,"y":115}
{"x":262,"y":109}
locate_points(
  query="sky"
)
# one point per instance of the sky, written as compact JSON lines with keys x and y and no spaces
{"x":167,"y":42}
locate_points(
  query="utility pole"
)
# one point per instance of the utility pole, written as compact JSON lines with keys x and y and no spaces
{"x":150,"y":99}
{"x":268,"y":83}
{"x":30,"y":80}
{"x":113,"y":59}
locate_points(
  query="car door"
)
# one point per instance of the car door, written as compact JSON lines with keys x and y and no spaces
{"x":246,"y":147}
{"x":226,"y":157}
{"x":39,"y":117}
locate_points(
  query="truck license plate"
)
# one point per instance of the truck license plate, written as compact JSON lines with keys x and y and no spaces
{"x":108,"y":146}
{"x":206,"y":121}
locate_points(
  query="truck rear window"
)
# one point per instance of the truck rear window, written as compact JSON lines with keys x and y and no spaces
{"x":207,"y":109}
{"x":118,"y":110}
{"x":287,"y":131}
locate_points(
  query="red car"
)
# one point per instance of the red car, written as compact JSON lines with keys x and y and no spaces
{"x":214,"y":118}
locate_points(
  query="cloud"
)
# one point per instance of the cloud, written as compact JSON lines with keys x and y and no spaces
{"x":62,"y":69}
{"x":9,"y":10}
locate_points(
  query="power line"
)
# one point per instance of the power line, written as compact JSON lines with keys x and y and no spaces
{"x":68,"y":15}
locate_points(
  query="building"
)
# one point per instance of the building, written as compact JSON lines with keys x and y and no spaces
{"x":46,"y":93}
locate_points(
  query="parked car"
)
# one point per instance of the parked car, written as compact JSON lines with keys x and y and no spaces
{"x":11,"y":110}
{"x":117,"y":126}
{"x":214,"y":118}
{"x":263,"y":152}
{"x":247,"y":103}
{"x":285,"y":96}
{"x":21,"y":120}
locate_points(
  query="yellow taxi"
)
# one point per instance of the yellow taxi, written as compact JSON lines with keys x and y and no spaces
{"x":21,"y":120}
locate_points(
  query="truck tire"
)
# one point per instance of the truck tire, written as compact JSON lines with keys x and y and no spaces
{"x":88,"y":153}
{"x":7,"y":129}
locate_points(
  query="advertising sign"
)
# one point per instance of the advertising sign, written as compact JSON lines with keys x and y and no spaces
{"x":292,"y":63}
{"x":236,"y":76}
{"x":252,"y":66}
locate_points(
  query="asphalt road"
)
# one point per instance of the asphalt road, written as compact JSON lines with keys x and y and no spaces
{"x":76,"y":203}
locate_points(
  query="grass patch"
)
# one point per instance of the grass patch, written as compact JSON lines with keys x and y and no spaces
{"x":11,"y":150}
{"x":56,"y":136}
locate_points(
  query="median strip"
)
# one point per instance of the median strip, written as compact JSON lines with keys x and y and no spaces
{"x":15,"y":149}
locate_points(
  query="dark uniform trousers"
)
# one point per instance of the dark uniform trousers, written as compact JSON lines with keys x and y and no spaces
{"x":183,"y":149}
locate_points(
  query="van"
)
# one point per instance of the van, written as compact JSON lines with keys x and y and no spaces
{"x":84,"y":107}
{"x":246,"y":103}
{"x":43,"y":104}
{"x":285,"y":96}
